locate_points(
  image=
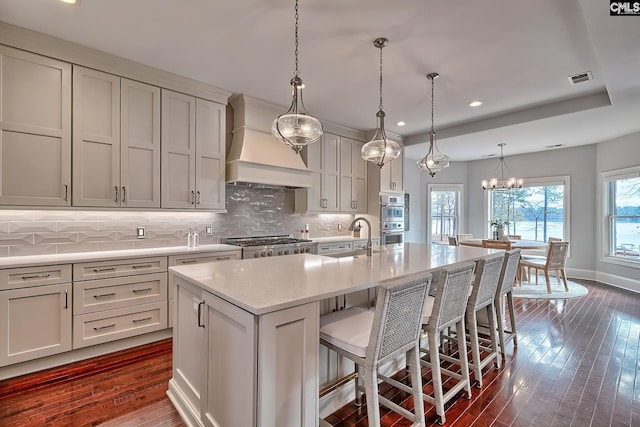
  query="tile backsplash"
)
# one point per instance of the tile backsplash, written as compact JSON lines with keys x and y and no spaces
{"x":251,"y":211}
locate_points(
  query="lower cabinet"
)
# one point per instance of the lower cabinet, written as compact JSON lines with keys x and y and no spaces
{"x":232,"y":368}
{"x":35,"y":322}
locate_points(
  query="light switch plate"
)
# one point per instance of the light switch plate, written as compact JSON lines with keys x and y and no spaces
{"x":140,"y":233}
{"x":208,"y":230}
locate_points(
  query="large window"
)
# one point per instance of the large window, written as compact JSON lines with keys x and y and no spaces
{"x":445,"y":211}
{"x":535,"y":212}
{"x":621,"y":219}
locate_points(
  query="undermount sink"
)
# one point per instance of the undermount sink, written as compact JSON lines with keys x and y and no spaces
{"x":357,"y":253}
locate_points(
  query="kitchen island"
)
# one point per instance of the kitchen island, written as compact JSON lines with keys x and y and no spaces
{"x":246,"y":340}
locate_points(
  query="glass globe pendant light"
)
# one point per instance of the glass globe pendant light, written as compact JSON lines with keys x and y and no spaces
{"x":296,"y":127}
{"x":434,"y":161}
{"x":380,"y":150}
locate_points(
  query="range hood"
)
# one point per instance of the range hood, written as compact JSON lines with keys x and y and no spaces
{"x":256,"y":156}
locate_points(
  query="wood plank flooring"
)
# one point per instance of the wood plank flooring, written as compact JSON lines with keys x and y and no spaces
{"x":577,"y":364}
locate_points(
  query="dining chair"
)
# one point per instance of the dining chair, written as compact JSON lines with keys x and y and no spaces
{"x":446,"y":308}
{"x":508,"y":273}
{"x":515,"y":237}
{"x":496,"y":244}
{"x":462,"y":237}
{"x":554,"y":239}
{"x":555,"y":260}
{"x":483,"y":294}
{"x":372,"y":338}
{"x":453,"y":241}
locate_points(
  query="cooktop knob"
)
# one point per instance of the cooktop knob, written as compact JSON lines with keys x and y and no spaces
{"x":256,"y":255}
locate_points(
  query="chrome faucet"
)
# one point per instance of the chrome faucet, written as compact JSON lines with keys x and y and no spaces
{"x":369,"y":246}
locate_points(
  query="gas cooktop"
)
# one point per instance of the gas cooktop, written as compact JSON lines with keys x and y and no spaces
{"x":264,"y":240}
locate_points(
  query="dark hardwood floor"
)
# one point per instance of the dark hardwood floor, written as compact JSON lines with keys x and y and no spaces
{"x":577,"y":364}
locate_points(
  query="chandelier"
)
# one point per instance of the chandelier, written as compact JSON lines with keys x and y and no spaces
{"x":380,"y":150}
{"x":434,"y":161}
{"x":296,"y":127}
{"x":502,"y":183}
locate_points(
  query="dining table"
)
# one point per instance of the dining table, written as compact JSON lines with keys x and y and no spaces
{"x":521,"y":244}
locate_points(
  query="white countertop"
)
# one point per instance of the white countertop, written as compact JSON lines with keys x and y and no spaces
{"x":265,"y":285}
{"x":33,"y":260}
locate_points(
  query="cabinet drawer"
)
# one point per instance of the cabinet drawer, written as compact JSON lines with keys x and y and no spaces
{"x":13,"y":278}
{"x":117,"y":268}
{"x":334,"y":248}
{"x":206,"y":257}
{"x":95,"y":328}
{"x":104,"y":294}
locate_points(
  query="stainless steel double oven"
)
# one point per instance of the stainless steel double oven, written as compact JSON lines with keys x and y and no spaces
{"x":392,"y":218}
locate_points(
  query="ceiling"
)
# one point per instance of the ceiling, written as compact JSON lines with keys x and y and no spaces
{"x":514,"y":56}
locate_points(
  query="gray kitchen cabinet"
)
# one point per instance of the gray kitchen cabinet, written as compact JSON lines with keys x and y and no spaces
{"x":36,"y":305}
{"x":116,"y":148}
{"x":193,"y":152}
{"x":323,"y":161}
{"x":392,"y":175}
{"x":35,"y":129}
{"x":353,"y":177}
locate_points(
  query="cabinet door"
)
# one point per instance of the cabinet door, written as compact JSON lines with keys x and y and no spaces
{"x":313,"y":156}
{"x":392,"y":175}
{"x":331,"y":172}
{"x":210,"y":154}
{"x":360,"y":177}
{"x":189,"y":341}
{"x":228,"y":396}
{"x":140,"y":145}
{"x":347,"y":176}
{"x":96,"y":138}
{"x":288,"y":351}
{"x":35,"y":130}
{"x":36,"y":322}
{"x":178,"y":150}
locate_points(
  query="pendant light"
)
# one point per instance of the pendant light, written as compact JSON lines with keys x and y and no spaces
{"x":502,"y":184}
{"x":296,"y":127}
{"x":380,"y":150}
{"x":434,"y":161}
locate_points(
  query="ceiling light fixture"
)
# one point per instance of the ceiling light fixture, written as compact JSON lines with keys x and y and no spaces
{"x":68,"y":1}
{"x":502,"y":184}
{"x":401,"y":123}
{"x":296,"y":127}
{"x":434,"y":161}
{"x":380,"y":150}
{"x":475,"y":103}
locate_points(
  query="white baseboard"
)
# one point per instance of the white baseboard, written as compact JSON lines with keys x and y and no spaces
{"x":606,"y":278}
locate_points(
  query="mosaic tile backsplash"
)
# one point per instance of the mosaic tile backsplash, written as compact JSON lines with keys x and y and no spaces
{"x":250,"y":212}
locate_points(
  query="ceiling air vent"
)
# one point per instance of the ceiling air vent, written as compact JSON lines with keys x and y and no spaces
{"x":580,"y":78}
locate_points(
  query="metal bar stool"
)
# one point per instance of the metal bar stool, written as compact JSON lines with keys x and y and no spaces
{"x":370,"y":338}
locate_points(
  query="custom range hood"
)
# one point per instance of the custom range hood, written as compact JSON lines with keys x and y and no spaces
{"x":256,"y":156}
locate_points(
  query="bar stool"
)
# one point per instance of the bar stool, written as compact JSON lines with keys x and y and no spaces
{"x":371,"y":338}
{"x":510,"y":268}
{"x":485,"y":285}
{"x":445,"y":309}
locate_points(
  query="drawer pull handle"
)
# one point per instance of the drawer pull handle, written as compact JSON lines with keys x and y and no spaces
{"x":101,"y":270}
{"x":99,"y":328}
{"x":141,"y":320}
{"x":200,"y":305}
{"x":112,"y":294}
{"x":135,"y":291}
{"x":135,"y":267}
{"x":222,"y":258}
{"x":37,"y":276}
{"x":189,"y":261}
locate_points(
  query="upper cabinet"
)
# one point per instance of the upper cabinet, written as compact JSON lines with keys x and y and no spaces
{"x":116,"y":141}
{"x":193,"y":152}
{"x":392,"y":175}
{"x":353,"y":177}
{"x":35,"y":130}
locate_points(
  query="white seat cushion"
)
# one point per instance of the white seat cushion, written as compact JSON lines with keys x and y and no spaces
{"x":348,"y":329}
{"x":427,"y":309}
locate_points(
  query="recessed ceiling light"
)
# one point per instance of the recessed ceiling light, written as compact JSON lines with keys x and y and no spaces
{"x":475,"y":104}
{"x":401,"y":123}
{"x":554,"y":146}
{"x":69,"y":1}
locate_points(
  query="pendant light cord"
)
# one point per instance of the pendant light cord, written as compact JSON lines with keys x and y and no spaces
{"x":296,"y":38}
{"x":432,"y":104}
{"x":381,"y":78}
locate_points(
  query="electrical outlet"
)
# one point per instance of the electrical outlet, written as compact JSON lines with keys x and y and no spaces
{"x":208,"y":230}
{"x":140,"y":233}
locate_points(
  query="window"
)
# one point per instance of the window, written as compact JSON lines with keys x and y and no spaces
{"x":444,"y":208}
{"x":621,"y":219}
{"x":537,"y":211}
